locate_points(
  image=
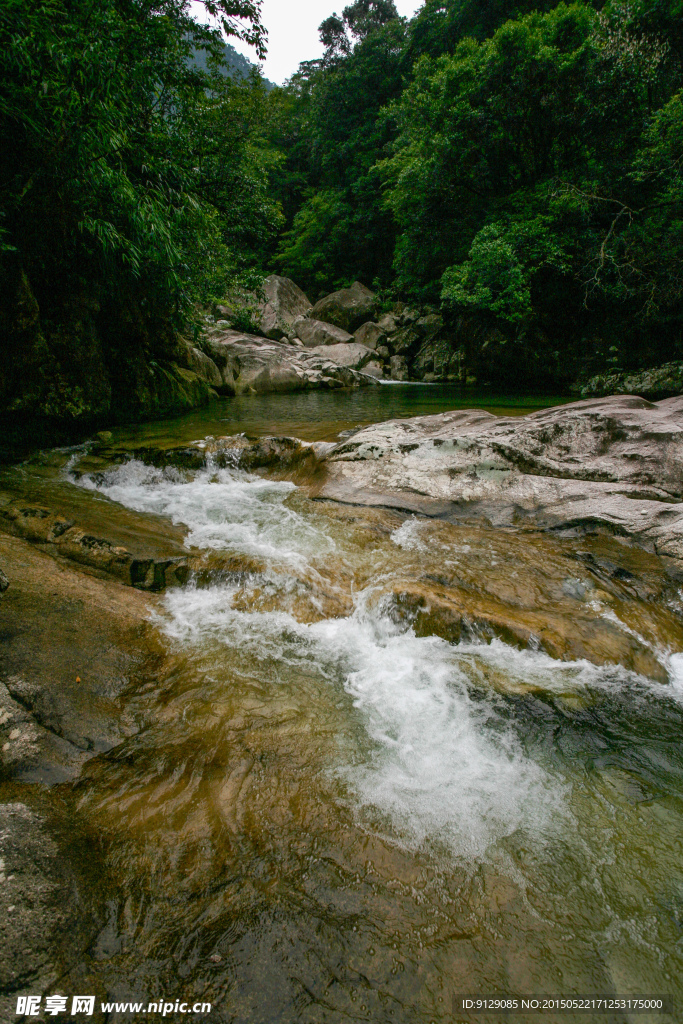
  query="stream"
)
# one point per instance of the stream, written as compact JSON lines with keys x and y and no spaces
{"x":338,"y":811}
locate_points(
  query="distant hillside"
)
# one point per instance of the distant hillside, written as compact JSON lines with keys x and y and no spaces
{"x":237,"y":65}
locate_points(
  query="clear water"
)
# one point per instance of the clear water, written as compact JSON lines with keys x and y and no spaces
{"x":358,"y":819}
{"x":322,"y":415}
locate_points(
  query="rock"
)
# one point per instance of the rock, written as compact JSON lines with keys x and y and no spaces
{"x":227,"y":363}
{"x":371,"y":335}
{"x":388,"y":323}
{"x":611,"y":465}
{"x":61,"y":536}
{"x":429,"y":326}
{"x":204,"y":367}
{"x":259,"y":365}
{"x":409,"y":316}
{"x":73,"y":646}
{"x":404,"y":341}
{"x":283,"y":302}
{"x":314,"y":333}
{"x":348,"y":308}
{"x":436,"y":357}
{"x":163,"y":389}
{"x":51,"y":898}
{"x":235,"y":451}
{"x":382,"y":352}
{"x":374,"y":369}
{"x":350,"y":354}
{"x":4,"y":582}
{"x":398,"y":368}
{"x":657,"y":382}
{"x":103,"y":436}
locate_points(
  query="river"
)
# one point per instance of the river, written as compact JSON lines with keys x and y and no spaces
{"x":335,"y":812}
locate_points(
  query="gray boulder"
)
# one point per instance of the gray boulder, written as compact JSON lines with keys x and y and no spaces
{"x":612,"y":465}
{"x":203,"y":366}
{"x":314,"y":333}
{"x":398,"y":368}
{"x":259,"y":365}
{"x":283,"y":302}
{"x":347,"y":308}
{"x":388,"y":323}
{"x":371,"y":335}
{"x":350,"y":354}
{"x":374,"y":369}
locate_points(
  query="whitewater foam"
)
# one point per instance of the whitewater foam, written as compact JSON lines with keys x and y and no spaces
{"x":223,"y":509}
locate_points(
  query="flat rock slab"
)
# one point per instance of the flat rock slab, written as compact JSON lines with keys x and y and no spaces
{"x":72,"y":646}
{"x":612,"y":464}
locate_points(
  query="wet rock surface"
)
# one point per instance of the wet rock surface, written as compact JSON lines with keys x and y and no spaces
{"x":72,"y":646}
{"x":612,"y":464}
{"x":50,"y":897}
{"x":321,"y":644}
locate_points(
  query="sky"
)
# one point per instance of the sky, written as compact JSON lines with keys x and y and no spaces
{"x":293,"y":31}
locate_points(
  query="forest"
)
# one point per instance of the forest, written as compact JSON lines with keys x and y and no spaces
{"x":517,"y":167}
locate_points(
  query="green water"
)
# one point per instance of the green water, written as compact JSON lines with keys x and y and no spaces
{"x":322,"y":415}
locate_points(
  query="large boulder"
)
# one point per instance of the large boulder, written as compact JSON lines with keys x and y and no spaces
{"x":348,"y":308}
{"x":398,"y":368}
{"x":404,"y":341}
{"x":351,"y":354}
{"x":314,"y":333}
{"x":283,"y":302}
{"x":259,"y":365}
{"x":371,"y":335}
{"x":203,"y":366}
{"x":612,"y":465}
{"x":436,"y":360}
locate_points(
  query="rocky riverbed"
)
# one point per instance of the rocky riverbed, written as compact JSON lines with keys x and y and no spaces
{"x":301,"y":696}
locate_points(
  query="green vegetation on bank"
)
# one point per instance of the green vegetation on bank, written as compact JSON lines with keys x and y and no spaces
{"x":517,"y":165}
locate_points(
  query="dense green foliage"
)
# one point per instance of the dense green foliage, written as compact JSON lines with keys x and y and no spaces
{"x":132,"y":184}
{"x":518,"y":165}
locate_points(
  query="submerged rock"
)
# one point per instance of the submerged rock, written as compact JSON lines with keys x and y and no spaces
{"x":51,"y":900}
{"x":613,"y":465}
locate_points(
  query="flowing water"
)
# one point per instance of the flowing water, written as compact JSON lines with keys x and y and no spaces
{"x":341,"y":808}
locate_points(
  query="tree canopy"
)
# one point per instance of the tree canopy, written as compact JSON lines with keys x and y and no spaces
{"x":517,"y":163}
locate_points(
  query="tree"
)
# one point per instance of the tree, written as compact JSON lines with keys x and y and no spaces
{"x":112,"y":197}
